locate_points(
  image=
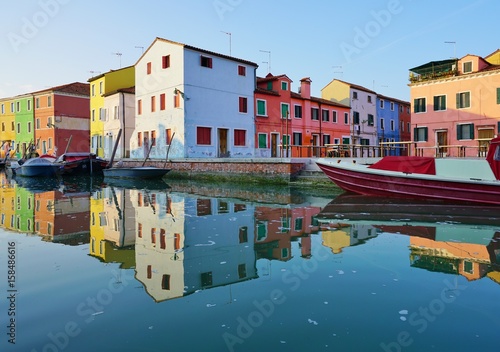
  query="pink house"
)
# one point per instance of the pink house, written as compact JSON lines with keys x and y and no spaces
{"x":456,"y":105}
{"x":290,"y":124}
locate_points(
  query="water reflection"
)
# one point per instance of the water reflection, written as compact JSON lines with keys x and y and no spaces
{"x":181,"y":238}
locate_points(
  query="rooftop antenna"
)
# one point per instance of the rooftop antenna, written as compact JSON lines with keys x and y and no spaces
{"x":454,"y":48}
{"x":229,"y":34}
{"x":120,"y":57}
{"x":341,"y":72}
{"x":266,"y":62}
{"x":94,"y":73}
{"x":269,"y":61}
{"x":140,"y":47}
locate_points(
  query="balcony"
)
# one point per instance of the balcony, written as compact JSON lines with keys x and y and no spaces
{"x":434,"y":70}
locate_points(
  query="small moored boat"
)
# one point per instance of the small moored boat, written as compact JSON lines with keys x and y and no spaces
{"x":456,"y":179}
{"x":42,"y":166}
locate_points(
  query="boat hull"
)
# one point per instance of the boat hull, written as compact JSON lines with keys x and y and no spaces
{"x":38,"y":171}
{"x":366,"y":181}
{"x":135,"y":172}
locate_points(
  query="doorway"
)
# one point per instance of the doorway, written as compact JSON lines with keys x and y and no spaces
{"x":275,"y":137}
{"x":223,"y":152}
{"x":315,"y":145}
{"x":441,"y":142}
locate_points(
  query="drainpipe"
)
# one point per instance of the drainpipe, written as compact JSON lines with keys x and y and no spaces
{"x":124,"y":127}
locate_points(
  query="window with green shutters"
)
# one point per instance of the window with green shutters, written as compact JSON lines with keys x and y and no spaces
{"x":262,"y":140}
{"x":498,"y":95}
{"x":439,"y":102}
{"x":284,"y":111}
{"x":355,"y":117}
{"x":370,"y":120}
{"x":420,"y":134}
{"x":419,"y":105}
{"x":463,"y":100}
{"x":261,"y":108}
{"x":465,"y":131}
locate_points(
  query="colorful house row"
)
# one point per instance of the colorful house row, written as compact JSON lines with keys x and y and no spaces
{"x":49,"y":121}
{"x":456,"y":105}
{"x":194,"y":103}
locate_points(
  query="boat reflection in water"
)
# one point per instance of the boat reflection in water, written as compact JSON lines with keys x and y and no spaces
{"x":450,"y":238}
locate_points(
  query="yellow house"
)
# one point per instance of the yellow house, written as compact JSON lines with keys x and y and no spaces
{"x":7,"y":123}
{"x":99,"y":86}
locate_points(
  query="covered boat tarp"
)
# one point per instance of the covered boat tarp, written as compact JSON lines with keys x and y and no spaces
{"x":493,"y":156}
{"x":407,"y":164}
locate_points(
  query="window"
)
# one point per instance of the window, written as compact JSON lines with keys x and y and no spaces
{"x":153,"y":103}
{"x":314,"y":114}
{"x":420,"y":134}
{"x":326,"y":139}
{"x":102,"y":114}
{"x":392,"y":106}
{"x":242,"y":70}
{"x":139,"y":107}
{"x":28,"y":105}
{"x":463,"y":100}
{"x":37,"y":103}
{"x":465,"y":131}
{"x":355,"y":117}
{"x":148,"y":68}
{"x":92,"y":89}
{"x":49,"y":101}
{"x":162,"y":101}
{"x":382,"y":124}
{"x":3,"y":109}
{"x":18,"y":106}
{"x":168,"y":136}
{"x":298,"y":111}
{"x":393,"y":127}
{"x":439,"y":102}
{"x":116,"y":112}
{"x":285,"y":111}
{"x":165,"y":61}
{"x":381,"y":103}
{"x":346,"y":118}
{"x":369,"y":98}
{"x":262,"y":140}
{"x":243,"y":105}
{"x":498,"y":97}
{"x":139,"y":139}
{"x":334,"y":116}
{"x":165,"y":282}
{"x":153,"y":138}
{"x":370,"y":120}
{"x":355,"y":95}
{"x":101,"y":87}
{"x":177,"y":99}
{"x":206,"y":61}
{"x":297,"y":138}
{"x":261,"y":108}
{"x":239,"y":138}
{"x":467,"y":67}
{"x":419,"y":105}
{"x":284,"y":85}
{"x":12,"y":107}
{"x":203,"y":135}
{"x":325,"y":115}
{"x":270,"y":85}
{"x":29,"y":127}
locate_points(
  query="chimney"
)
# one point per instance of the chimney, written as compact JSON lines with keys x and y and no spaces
{"x":305,"y":88}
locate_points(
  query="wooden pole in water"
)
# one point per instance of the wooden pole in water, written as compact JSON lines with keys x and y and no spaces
{"x":114,"y":148}
{"x":168,"y":150}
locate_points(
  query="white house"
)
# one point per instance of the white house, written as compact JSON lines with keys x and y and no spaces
{"x":192,"y":103}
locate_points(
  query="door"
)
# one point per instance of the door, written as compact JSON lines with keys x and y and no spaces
{"x":442,"y":141}
{"x":274,"y":144}
{"x":223,"y":152}
{"x":315,"y":143}
{"x":111,"y":145}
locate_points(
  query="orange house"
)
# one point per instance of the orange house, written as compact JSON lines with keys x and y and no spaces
{"x":456,"y":106}
{"x":62,"y":116}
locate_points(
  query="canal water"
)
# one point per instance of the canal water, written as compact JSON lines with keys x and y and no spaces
{"x":88,"y":265}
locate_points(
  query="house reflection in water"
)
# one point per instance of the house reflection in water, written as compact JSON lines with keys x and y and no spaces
{"x":339,"y":235}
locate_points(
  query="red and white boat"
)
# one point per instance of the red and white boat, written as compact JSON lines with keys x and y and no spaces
{"x":457,"y":179}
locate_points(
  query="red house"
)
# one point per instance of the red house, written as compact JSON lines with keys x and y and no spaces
{"x":290,"y":124}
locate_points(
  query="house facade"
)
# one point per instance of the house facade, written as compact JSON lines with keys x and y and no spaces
{"x":23,"y":123}
{"x":456,"y":105}
{"x":100,"y":86}
{"x":192,"y":103}
{"x":290,"y":124}
{"x":393,"y":119}
{"x":362,"y":101}
{"x":7,"y":126}
{"x":120,"y":108}
{"x":61,"y":119}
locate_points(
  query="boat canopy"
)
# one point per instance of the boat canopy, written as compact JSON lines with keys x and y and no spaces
{"x":407,"y":164}
{"x":493,"y":156}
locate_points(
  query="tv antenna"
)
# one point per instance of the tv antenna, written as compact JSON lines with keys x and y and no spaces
{"x":140,"y":47}
{"x":119,"y":56}
{"x":229,"y":34}
{"x":269,"y":61}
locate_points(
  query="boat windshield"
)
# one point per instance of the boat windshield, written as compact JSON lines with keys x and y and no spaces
{"x":496,"y":157}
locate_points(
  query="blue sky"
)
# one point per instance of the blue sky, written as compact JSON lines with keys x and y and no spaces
{"x":372,"y":43}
